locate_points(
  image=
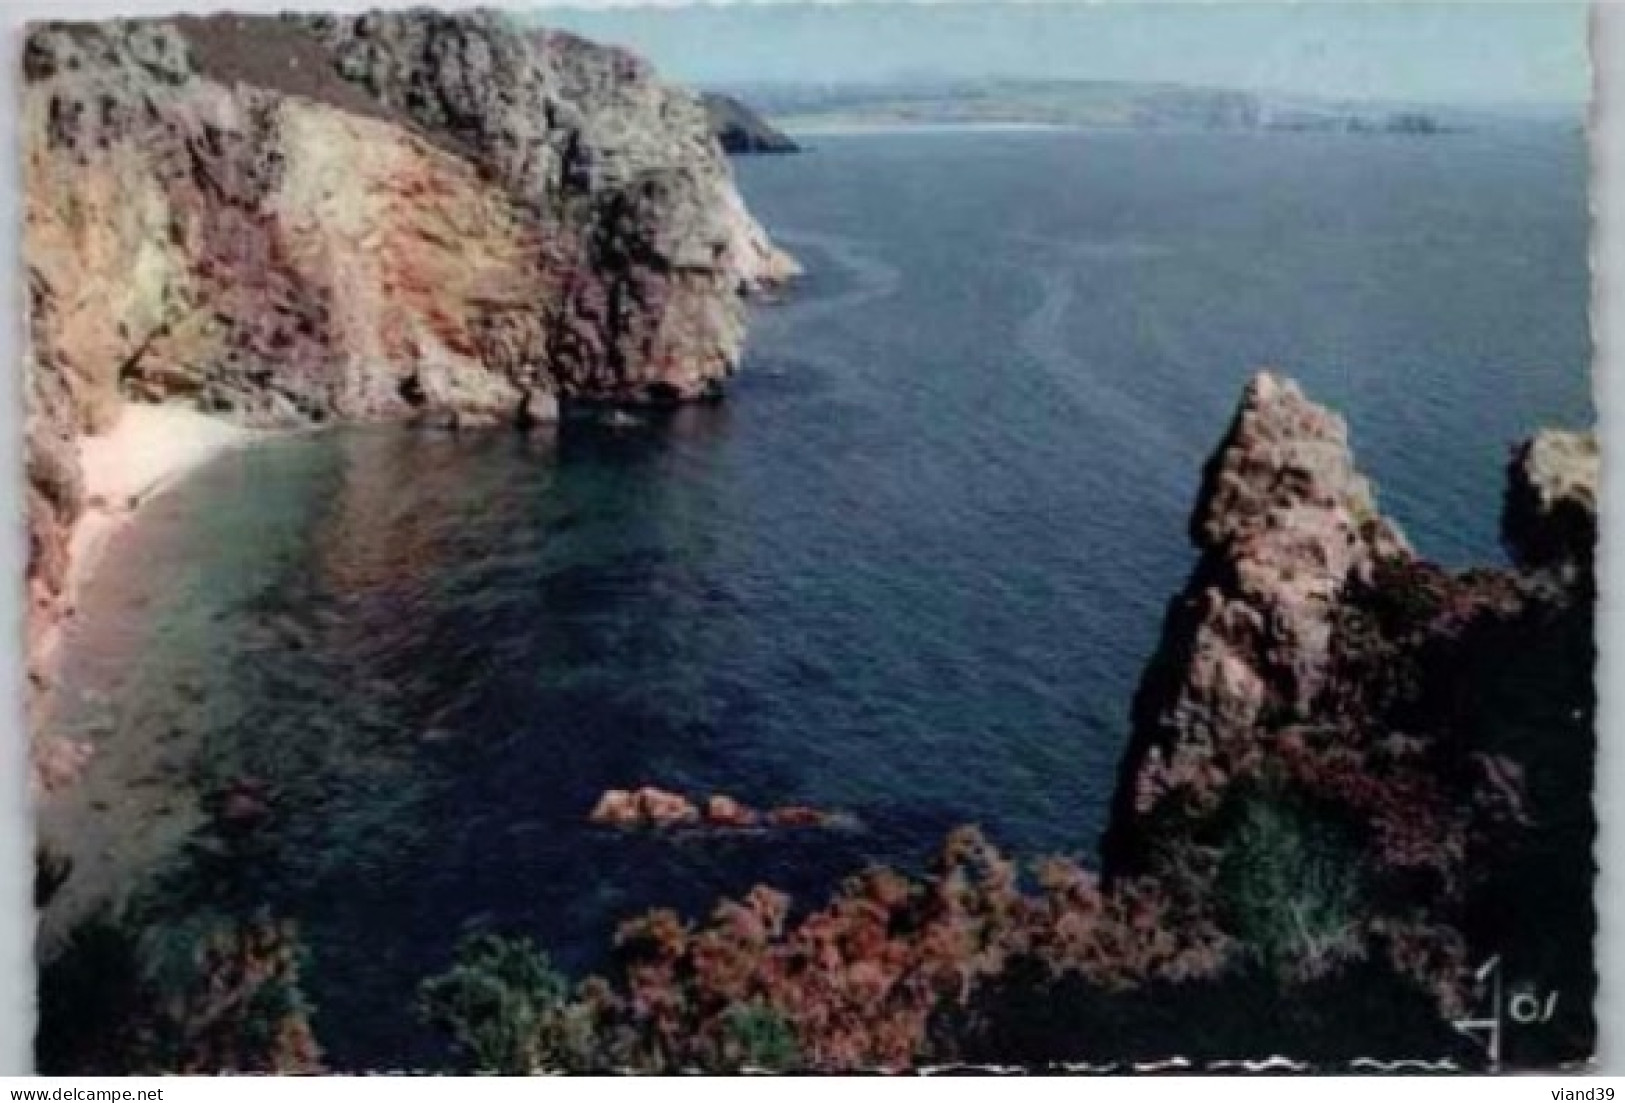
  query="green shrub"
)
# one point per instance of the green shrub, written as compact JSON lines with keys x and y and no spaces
{"x":507,"y":1009}
{"x":1288,"y":889}
{"x":758,"y":1037}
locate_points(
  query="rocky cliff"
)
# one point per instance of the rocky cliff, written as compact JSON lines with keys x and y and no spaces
{"x":1355,"y":754}
{"x":409,"y":215}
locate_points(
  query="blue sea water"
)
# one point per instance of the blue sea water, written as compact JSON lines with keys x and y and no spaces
{"x":910,"y":570}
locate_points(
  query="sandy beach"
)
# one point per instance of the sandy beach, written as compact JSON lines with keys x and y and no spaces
{"x":149,"y":449}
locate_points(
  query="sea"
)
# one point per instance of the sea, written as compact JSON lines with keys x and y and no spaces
{"x":909,"y":571}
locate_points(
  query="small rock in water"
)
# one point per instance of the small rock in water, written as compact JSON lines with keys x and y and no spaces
{"x":617,"y":808}
{"x":724,"y":811}
{"x":648,"y":807}
{"x":242,"y":804}
{"x":652,"y":807}
{"x":243,"y":809}
{"x":663,"y":809}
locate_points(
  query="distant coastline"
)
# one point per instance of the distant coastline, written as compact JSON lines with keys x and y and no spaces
{"x":985,"y":105}
{"x":822,"y":128}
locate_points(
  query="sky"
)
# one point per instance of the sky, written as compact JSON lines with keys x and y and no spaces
{"x":1441,"y":53}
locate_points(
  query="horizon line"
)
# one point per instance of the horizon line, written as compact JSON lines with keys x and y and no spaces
{"x":1323,"y":98}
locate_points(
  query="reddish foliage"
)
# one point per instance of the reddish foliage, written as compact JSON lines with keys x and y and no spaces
{"x":860,"y":981}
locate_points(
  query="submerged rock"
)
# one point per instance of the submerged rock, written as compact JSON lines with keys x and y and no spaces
{"x":797,"y":815}
{"x":242,"y":805}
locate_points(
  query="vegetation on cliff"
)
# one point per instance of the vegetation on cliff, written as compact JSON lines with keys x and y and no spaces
{"x":1354,"y":777}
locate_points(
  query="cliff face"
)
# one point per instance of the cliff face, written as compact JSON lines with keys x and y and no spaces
{"x":297,"y":220}
{"x":1396,"y":756}
{"x":1284,"y":522}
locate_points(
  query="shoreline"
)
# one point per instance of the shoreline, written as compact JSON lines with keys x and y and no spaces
{"x":149,"y":450}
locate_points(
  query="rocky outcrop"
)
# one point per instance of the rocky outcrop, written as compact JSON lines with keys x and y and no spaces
{"x":646,"y":807}
{"x":741,"y":130}
{"x":724,"y":811}
{"x":1293,"y":555}
{"x":1284,"y":522}
{"x":650,"y":807}
{"x":406,"y":215}
{"x":1395,"y":757}
{"x":1550,"y":517}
